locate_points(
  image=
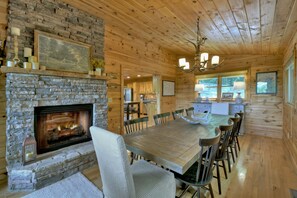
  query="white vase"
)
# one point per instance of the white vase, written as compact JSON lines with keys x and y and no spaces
{"x":98,"y":71}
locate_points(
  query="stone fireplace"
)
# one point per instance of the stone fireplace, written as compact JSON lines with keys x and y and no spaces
{"x":57,"y":111}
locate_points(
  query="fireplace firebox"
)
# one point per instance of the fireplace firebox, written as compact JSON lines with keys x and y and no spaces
{"x":56,"y":127}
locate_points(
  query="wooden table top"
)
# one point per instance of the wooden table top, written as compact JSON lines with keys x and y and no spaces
{"x":174,"y":145}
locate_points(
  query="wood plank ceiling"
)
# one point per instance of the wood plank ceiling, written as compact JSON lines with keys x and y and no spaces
{"x":260,"y":27}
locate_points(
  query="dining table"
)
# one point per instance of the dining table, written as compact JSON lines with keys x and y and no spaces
{"x":175,"y":144}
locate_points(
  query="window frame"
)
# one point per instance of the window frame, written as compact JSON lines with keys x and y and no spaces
{"x":290,"y":87}
{"x":219,"y":85}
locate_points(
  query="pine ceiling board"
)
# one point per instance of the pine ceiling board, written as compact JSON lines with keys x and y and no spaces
{"x":239,"y":12}
{"x":281,"y":17}
{"x":226,"y":13}
{"x":215,"y":42}
{"x":253,"y":15}
{"x":267,"y":17}
{"x":290,"y":29}
{"x":220,"y":25}
{"x":231,"y":26}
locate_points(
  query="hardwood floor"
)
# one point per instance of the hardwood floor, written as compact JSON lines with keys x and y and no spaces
{"x":263,"y":169}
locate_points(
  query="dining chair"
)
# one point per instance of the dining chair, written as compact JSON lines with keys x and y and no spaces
{"x":119,"y":179}
{"x":222,"y":153}
{"x":132,"y":126}
{"x":200,"y":174}
{"x":178,"y":113}
{"x":135,"y":125}
{"x":190,"y":111}
{"x":232,"y":144}
{"x":240,"y":114}
{"x":162,"y":118}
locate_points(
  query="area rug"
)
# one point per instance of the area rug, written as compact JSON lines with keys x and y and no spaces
{"x":74,"y":186}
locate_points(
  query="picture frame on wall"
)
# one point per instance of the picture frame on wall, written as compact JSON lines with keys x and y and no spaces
{"x":227,"y":96}
{"x":62,"y":54}
{"x":168,"y":88}
{"x":266,"y":82}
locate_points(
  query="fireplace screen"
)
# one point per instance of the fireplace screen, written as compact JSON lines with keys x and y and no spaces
{"x":60,"y":126}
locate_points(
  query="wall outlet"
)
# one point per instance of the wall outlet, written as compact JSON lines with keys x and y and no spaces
{"x":109,"y":99}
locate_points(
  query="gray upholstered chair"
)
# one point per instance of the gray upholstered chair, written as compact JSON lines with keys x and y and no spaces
{"x":119,"y":179}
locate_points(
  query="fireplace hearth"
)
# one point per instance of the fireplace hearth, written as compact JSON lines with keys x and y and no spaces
{"x":60,"y":126}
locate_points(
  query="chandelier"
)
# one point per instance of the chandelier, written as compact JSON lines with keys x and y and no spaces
{"x":201,"y":61}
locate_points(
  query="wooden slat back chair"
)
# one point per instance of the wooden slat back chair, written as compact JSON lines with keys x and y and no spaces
{"x":190,"y":111}
{"x":222,"y":153}
{"x":162,"y":118}
{"x":135,"y":125}
{"x":178,"y":113}
{"x":240,"y":114}
{"x":132,"y":126}
{"x":232,"y":143}
{"x":200,"y":173}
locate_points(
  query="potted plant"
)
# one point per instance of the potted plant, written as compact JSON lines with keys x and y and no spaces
{"x":98,"y":65}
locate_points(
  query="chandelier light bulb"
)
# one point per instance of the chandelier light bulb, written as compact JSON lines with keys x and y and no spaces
{"x":182,"y":62}
{"x":187,"y":65}
{"x":215,"y":60}
{"x":204,"y":57}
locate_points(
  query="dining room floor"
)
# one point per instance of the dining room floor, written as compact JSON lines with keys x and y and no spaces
{"x":262,"y":169}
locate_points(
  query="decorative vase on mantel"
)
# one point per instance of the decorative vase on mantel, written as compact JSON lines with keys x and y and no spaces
{"x":98,"y":65}
{"x":98,"y":71}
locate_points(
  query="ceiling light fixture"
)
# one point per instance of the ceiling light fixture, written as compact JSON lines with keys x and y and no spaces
{"x":201,"y":61}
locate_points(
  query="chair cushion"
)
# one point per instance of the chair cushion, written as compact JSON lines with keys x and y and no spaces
{"x":152,"y":181}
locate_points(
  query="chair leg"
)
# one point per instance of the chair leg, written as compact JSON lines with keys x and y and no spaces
{"x":237,"y":142}
{"x":218,"y":177}
{"x":235,"y":148}
{"x":211,"y":191}
{"x":232,"y":154}
{"x":184,"y":191}
{"x":224,"y":167}
{"x":132,"y":158}
{"x":228,"y":160}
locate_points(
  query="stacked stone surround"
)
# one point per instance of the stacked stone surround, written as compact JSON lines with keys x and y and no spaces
{"x":55,"y":17}
{"x":26,"y":91}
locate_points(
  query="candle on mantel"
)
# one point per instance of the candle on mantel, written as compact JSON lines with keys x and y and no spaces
{"x":27,"y":52}
{"x":15,"y":31}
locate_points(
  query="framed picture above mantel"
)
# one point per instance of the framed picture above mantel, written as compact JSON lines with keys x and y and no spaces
{"x":62,"y":54}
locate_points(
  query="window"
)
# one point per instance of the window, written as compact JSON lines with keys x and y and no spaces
{"x":290,"y":82}
{"x":227,"y":85}
{"x":215,"y":86}
{"x":210,"y":87}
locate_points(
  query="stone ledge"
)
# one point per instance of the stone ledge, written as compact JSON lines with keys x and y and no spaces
{"x":18,"y":70}
{"x":61,"y":164}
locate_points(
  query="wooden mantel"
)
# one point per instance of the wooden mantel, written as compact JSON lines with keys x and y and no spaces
{"x":50,"y":73}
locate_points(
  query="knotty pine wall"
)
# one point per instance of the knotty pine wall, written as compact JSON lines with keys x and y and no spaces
{"x":3,"y":24}
{"x":290,"y":112}
{"x":124,"y":52}
{"x":264,"y":112}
